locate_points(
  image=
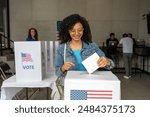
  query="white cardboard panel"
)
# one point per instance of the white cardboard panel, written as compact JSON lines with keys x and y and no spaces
{"x":28,"y":60}
{"x":104,"y":81}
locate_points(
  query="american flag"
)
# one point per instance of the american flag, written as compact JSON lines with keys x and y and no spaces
{"x":90,"y":94}
{"x":26,"y":57}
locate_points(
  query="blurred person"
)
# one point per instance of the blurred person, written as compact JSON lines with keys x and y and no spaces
{"x":111,"y":44}
{"x":32,"y":35}
{"x":134,"y":41}
{"x":127,"y":44}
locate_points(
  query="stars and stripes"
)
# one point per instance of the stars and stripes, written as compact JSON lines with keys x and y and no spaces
{"x":26,"y":57}
{"x":90,"y":94}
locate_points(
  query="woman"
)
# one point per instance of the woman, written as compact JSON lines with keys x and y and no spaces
{"x":32,"y":35}
{"x":76,"y":45}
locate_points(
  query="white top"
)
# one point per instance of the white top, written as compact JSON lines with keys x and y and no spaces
{"x":98,"y":75}
{"x":10,"y":87}
{"x":46,"y":82}
{"x":127,"y":44}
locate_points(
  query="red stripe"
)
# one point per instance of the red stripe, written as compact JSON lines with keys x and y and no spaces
{"x":101,"y":94}
{"x":99,"y":97}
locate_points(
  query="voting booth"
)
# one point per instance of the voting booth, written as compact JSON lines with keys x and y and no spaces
{"x":79,"y":85}
{"x":50,"y":52}
{"x":30,"y":61}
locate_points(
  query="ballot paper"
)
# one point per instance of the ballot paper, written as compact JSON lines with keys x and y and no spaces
{"x":91,"y":63}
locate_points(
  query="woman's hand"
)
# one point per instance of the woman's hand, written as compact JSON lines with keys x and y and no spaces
{"x":67,"y":66}
{"x":102,"y":62}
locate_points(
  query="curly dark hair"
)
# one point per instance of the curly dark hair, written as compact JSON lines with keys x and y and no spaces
{"x":68,"y":24}
{"x":112,"y":34}
{"x":36,"y":33}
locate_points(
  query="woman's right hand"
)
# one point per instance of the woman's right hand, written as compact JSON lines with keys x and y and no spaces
{"x":67,"y":66}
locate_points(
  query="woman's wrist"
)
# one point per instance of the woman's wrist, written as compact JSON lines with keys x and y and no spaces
{"x":62,"y":69}
{"x":108,"y":63}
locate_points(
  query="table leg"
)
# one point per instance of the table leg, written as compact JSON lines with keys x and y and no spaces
{"x":143,"y":63}
{"x":47,"y":93}
{"x":27,"y":94}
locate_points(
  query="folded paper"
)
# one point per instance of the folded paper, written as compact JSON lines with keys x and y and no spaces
{"x":91,"y":63}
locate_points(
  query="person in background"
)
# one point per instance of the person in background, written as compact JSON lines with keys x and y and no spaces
{"x":111,"y":44}
{"x":112,"y":41}
{"x":127,"y":44}
{"x":32,"y":35}
{"x":76,"y":45}
{"x":134,"y":41}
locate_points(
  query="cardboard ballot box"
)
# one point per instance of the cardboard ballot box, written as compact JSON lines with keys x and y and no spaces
{"x":79,"y":85}
{"x":29,"y":61}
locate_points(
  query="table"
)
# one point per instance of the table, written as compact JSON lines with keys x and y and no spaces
{"x":10,"y":87}
{"x":79,"y":85}
{"x":144,"y":53}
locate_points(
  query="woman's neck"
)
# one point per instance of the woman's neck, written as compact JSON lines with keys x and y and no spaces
{"x":76,"y":45}
{"x":32,"y":37}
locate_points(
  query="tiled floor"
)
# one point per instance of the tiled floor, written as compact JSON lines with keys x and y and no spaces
{"x":135,"y":88}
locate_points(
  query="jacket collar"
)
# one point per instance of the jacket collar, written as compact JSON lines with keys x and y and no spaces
{"x":85,"y":45}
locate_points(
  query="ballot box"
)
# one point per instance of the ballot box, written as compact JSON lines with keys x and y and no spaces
{"x":79,"y":85}
{"x":29,"y":61}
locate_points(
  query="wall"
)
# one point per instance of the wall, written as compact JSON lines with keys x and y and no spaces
{"x":104,"y":16}
{"x":144,"y":9}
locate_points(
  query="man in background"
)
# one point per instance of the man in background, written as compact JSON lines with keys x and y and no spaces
{"x":127,"y":44}
{"x":111,"y":44}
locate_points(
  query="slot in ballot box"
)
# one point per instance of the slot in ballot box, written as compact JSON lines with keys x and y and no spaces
{"x":29,"y":61}
{"x":79,"y":85}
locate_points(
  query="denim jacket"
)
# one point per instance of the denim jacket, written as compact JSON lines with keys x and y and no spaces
{"x":86,"y":51}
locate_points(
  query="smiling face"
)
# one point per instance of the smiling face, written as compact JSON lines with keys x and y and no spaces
{"x":33,"y":33}
{"x":76,"y":32}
